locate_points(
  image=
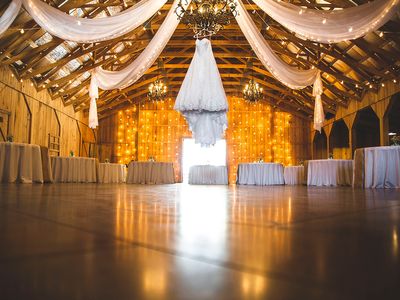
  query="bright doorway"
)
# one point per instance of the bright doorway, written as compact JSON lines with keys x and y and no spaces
{"x":193,"y":154}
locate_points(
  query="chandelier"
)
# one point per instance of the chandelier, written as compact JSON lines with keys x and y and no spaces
{"x":207,"y":17}
{"x":157,"y":91}
{"x":252,"y":92}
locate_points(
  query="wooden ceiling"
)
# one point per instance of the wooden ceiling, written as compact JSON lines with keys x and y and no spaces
{"x":349,"y":69}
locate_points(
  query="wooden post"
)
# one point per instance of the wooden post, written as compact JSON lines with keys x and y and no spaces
{"x":349,"y":121}
{"x":380,"y":109}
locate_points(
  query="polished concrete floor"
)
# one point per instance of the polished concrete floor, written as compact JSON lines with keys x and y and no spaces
{"x":88,"y":241}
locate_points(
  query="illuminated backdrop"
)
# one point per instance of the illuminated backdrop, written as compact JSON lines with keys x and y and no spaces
{"x":256,"y":131}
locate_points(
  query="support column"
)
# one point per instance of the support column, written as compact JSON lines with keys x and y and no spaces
{"x":328,"y":129}
{"x":380,"y":109}
{"x":349,"y":121}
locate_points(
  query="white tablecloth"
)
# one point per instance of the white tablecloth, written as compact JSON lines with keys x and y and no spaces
{"x":147,"y":172}
{"x":74,"y":169}
{"x":294,"y":175}
{"x":260,"y":174}
{"x":20,"y":163}
{"x":329,"y":172}
{"x":207,"y":174}
{"x":377,"y":167}
{"x":111,"y":173}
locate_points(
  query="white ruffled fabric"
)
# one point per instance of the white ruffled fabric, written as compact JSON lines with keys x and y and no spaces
{"x":330,"y":26}
{"x":201,"y":98}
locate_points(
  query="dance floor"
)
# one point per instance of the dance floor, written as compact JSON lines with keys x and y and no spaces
{"x":94,"y":241}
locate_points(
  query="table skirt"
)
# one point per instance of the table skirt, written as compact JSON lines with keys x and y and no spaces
{"x":377,"y":167}
{"x":329,"y":172}
{"x":74,"y":169}
{"x":206,"y":174}
{"x":150,"y":172}
{"x":111,"y":173}
{"x":260,"y":174}
{"x":20,"y":163}
{"x":294,"y":175}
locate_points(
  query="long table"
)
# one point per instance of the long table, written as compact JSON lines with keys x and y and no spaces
{"x":329,"y":172}
{"x":74,"y":169}
{"x":20,"y":163}
{"x":377,"y":167}
{"x":148,"y":172}
{"x":260,"y":174}
{"x":207,"y":174}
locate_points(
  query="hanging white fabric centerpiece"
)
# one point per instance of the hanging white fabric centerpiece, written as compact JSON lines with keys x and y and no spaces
{"x":201,"y":98}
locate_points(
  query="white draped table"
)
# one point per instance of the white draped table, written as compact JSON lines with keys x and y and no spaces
{"x":260,"y":174}
{"x":111,"y":173}
{"x":294,"y":175}
{"x":148,"y":172}
{"x":207,"y":174}
{"x":329,"y":172}
{"x":74,"y":169}
{"x":377,"y":167}
{"x":20,"y":163}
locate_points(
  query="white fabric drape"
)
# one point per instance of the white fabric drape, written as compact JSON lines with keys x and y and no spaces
{"x":201,"y":98}
{"x":109,"y":80}
{"x":319,"y":115}
{"x":330,"y":26}
{"x":83,"y":30}
{"x":288,"y":75}
{"x":9,"y":15}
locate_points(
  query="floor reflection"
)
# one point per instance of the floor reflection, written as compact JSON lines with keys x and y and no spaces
{"x":199,"y":242}
{"x":203,"y":215}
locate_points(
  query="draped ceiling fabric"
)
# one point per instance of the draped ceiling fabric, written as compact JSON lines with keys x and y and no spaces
{"x":317,"y":25}
{"x":330,"y":26}
{"x":288,"y":75}
{"x":201,"y":98}
{"x":109,"y":80}
{"x":83,"y":30}
{"x":9,"y":15}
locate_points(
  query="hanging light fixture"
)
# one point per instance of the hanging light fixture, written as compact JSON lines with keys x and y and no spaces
{"x":252,"y":91}
{"x":207,"y":17}
{"x":157,"y":89}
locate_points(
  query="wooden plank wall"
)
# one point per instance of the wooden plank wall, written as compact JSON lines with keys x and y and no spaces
{"x":379,"y":102}
{"x":34,"y":115}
